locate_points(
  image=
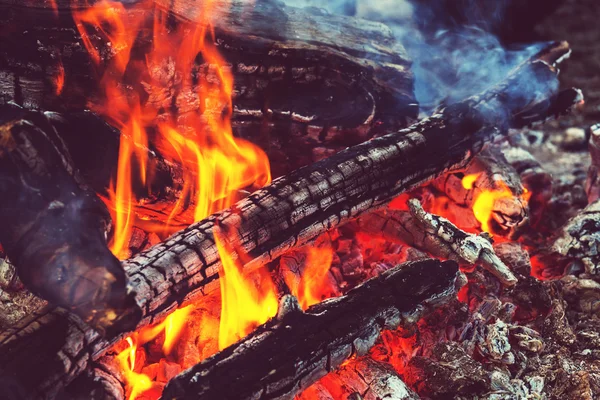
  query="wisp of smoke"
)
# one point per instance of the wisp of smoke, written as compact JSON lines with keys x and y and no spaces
{"x":452,"y":59}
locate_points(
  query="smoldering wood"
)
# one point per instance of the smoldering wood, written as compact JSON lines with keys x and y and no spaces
{"x":294,"y":350}
{"x":297,"y":208}
{"x":347,"y":76}
{"x":372,"y":380}
{"x":534,"y":178}
{"x":494,"y":173}
{"x":592,"y":184}
{"x":578,"y":240}
{"x":437,"y":236}
{"x":53,"y":226}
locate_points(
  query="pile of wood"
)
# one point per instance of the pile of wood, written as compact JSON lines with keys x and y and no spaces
{"x":57,"y":239}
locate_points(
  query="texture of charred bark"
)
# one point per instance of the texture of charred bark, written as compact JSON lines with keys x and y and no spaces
{"x":306,"y":84}
{"x":53,"y":227}
{"x":437,"y":236}
{"x":297,"y":208}
{"x":294,"y":350}
{"x":579,"y":239}
{"x":535,"y":179}
{"x":370,"y":379}
{"x":592,"y":184}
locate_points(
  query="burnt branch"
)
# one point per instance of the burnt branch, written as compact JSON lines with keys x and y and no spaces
{"x":437,"y":236}
{"x":294,"y":350}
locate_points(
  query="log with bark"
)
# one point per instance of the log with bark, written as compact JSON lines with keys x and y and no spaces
{"x":297,"y":348}
{"x":297,"y":208}
{"x":54,"y":227}
{"x":305,"y":83}
{"x":490,"y":171}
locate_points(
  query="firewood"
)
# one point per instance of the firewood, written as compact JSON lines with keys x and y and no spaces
{"x":54,"y":227}
{"x":578,"y":240}
{"x":437,"y":236}
{"x":490,"y":171}
{"x":533,"y":176}
{"x":371,"y":379}
{"x":299,"y":85}
{"x":297,"y":208}
{"x":592,"y":184}
{"x":294,"y":350}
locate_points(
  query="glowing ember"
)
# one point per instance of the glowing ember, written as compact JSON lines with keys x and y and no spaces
{"x":313,"y":287}
{"x":469,"y":180}
{"x":244,"y":304}
{"x":59,"y":80}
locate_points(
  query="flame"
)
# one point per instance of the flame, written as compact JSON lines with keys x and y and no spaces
{"x":59,"y":80}
{"x":313,"y":286}
{"x":485,"y":199}
{"x":468,"y":181}
{"x":244,"y":305}
{"x":216,"y":166}
{"x":137,"y":383}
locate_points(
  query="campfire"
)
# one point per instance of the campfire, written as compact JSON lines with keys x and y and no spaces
{"x":256,"y":200}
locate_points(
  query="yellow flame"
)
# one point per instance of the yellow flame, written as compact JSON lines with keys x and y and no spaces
{"x":244,"y":305}
{"x":138,"y":383}
{"x":469,"y":180}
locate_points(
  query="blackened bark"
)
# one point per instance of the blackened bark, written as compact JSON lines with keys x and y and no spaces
{"x":291,"y":352}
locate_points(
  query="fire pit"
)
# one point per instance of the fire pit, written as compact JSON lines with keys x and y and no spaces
{"x":254,"y":200}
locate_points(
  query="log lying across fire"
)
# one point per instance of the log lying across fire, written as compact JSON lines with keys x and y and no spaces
{"x":291,"y":352}
{"x":289,"y":213}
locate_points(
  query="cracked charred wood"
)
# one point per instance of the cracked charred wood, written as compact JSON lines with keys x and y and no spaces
{"x":53,"y":226}
{"x":297,"y":208}
{"x":294,"y":350}
{"x":592,"y":184}
{"x":346,"y":75}
{"x":578,"y":241}
{"x":437,"y":236}
{"x":533,"y":176}
{"x":489,"y":171}
{"x":372,"y":380}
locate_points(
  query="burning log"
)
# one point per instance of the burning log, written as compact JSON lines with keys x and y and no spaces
{"x":297,"y":208}
{"x":343,"y":84}
{"x":53,"y":227}
{"x":436,"y":235}
{"x":489,"y":179}
{"x":535,"y":179}
{"x":294,"y":350}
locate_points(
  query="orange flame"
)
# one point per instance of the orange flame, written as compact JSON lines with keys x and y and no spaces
{"x":313,"y":285}
{"x":138,"y":383}
{"x":244,"y":304}
{"x":483,"y":206}
{"x":59,"y":80}
{"x":215,"y":164}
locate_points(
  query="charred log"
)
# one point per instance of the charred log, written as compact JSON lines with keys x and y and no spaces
{"x":489,"y":171}
{"x":370,"y":379}
{"x":53,"y":227}
{"x":592,"y":184}
{"x":437,"y":236}
{"x":291,"y":352}
{"x":297,"y":208}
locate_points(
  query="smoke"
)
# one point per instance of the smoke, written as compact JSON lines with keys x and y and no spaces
{"x":454,"y":45}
